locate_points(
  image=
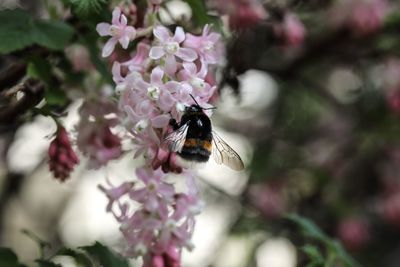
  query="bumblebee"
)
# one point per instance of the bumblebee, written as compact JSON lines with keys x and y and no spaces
{"x":194,"y":140}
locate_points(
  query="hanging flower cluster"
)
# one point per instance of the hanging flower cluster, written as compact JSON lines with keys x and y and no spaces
{"x":62,"y":158}
{"x":154,"y":86}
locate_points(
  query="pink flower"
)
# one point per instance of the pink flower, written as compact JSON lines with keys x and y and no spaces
{"x":242,"y":13}
{"x":390,"y":208}
{"x":114,"y":194}
{"x":98,"y":143}
{"x":361,"y":16}
{"x":195,"y":80}
{"x":138,"y":62}
{"x":170,"y":258}
{"x":79,"y":57}
{"x":207,"y":45}
{"x":167,"y":160}
{"x":155,"y":191}
{"x":354,"y":232}
{"x":119,"y":31}
{"x":268,"y":199}
{"x":62,"y":158}
{"x":169,"y":47}
{"x":392,"y":85}
{"x":291,"y":31}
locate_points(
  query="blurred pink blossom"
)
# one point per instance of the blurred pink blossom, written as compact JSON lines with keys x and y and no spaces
{"x":354,"y":232}
{"x":291,"y":31}
{"x":392,"y":85}
{"x":62,"y":157}
{"x":79,"y":57}
{"x":390,"y":208}
{"x":268,"y":199}
{"x":360,"y":16}
{"x":97,"y":142}
{"x":242,"y":13}
{"x":118,"y":30}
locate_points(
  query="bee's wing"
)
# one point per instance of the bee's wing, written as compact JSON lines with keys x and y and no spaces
{"x":223,"y":153}
{"x":176,"y":139}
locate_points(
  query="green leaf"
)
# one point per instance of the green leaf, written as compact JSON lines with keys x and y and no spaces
{"x":15,"y":29}
{"x":316,"y":258}
{"x":80,"y":258}
{"x":52,"y":34}
{"x":9,"y":258}
{"x":308,"y":227}
{"x":40,"y":69}
{"x":199,"y":12}
{"x":19,"y":30}
{"x":87,"y":7}
{"x":343,"y":255}
{"x":45,"y":263}
{"x":105,"y":256}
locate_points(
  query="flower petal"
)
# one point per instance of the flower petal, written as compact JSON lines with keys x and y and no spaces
{"x":124,"y":41}
{"x":124,"y":20}
{"x":179,"y":36}
{"x":160,"y":121}
{"x":156,"y":76}
{"x":161,"y":33}
{"x":186,"y":54}
{"x":156,"y":52}
{"x":190,"y":68}
{"x":116,"y":72}
{"x":115,"y":16}
{"x":103,"y":29}
{"x":109,"y":47}
{"x":170,"y":65}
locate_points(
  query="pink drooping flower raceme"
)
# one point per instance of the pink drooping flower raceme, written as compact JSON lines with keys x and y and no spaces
{"x":163,"y":224}
{"x":62,"y":158}
{"x":96,"y":139}
{"x":162,"y":77}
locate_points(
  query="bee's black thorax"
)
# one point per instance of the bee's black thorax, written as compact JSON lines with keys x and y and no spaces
{"x":197,"y":145}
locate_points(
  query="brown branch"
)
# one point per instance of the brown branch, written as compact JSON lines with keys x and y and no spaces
{"x":33,"y":92}
{"x":13,"y":74}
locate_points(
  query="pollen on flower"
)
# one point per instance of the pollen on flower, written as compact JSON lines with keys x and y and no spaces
{"x":153,"y":92}
{"x":141,"y":125}
{"x":197,"y":83}
{"x":171,"y":47}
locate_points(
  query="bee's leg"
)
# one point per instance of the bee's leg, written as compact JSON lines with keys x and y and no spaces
{"x":174,"y":124}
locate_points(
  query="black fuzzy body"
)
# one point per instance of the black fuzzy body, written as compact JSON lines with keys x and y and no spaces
{"x":197,"y":145}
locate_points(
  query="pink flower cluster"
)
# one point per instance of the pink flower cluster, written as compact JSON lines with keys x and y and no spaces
{"x":360,"y":16}
{"x":158,"y":83}
{"x":95,"y":138}
{"x":62,"y":156}
{"x":164,"y":221}
{"x":241,"y":13}
{"x":154,"y":86}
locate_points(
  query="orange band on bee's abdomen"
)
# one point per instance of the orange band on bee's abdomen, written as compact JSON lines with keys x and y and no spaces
{"x":192,"y":142}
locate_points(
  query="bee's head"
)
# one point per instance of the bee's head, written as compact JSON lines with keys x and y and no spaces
{"x":195,"y":108}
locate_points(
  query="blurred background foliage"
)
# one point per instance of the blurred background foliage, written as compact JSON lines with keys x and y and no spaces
{"x":323,"y":168}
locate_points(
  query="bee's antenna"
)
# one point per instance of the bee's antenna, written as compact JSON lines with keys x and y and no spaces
{"x":194,"y":100}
